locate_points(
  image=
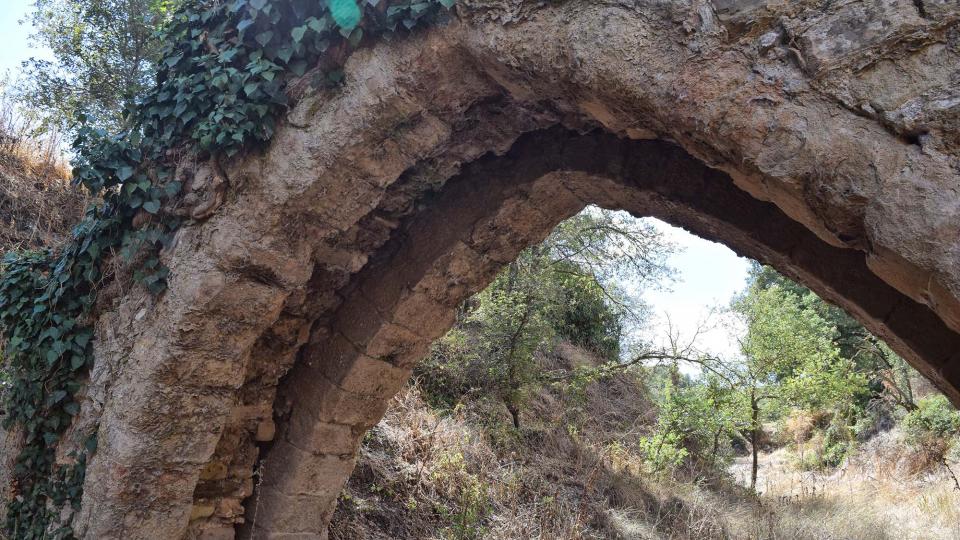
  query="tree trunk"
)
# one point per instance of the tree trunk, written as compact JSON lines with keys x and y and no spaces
{"x":716,"y":447}
{"x":515,"y":413}
{"x":754,"y":439}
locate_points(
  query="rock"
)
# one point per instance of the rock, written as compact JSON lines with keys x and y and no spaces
{"x":306,"y":292}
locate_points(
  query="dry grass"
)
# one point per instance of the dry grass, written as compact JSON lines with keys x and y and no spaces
{"x":38,"y":206}
{"x":564,"y":476}
{"x":877,"y":495}
{"x":571,"y":473}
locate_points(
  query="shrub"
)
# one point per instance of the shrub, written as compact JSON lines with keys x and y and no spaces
{"x":933,"y":417}
{"x":662,"y":451}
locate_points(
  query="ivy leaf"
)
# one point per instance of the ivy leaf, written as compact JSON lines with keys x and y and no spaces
{"x":355,"y":37}
{"x":173,"y":60}
{"x":298,"y":68}
{"x":77,"y":362}
{"x":335,"y":77}
{"x":258,"y":4}
{"x":264,"y":37}
{"x":152,"y":206}
{"x":227,"y":55}
{"x":157,"y":287}
{"x":123,"y":173}
{"x":172,"y":188}
{"x":82,"y":338}
{"x":298,"y":32}
{"x":285,"y":54}
{"x":317,"y":25}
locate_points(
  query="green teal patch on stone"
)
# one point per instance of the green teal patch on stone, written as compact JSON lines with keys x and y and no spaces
{"x":346,"y":13}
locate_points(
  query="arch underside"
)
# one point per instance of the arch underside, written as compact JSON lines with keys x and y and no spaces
{"x":408,"y":293}
{"x":236,"y":402}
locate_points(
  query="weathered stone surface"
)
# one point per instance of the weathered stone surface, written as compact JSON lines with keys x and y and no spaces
{"x":278,"y":512}
{"x":298,"y":472}
{"x":397,"y":345}
{"x":323,"y":437}
{"x":346,"y":367}
{"x":818,"y":137}
{"x":852,"y":32}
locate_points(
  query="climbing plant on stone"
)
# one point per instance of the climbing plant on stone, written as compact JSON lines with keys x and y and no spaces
{"x":221,"y":88}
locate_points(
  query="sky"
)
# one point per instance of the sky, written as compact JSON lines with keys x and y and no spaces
{"x":16,"y":43}
{"x":708,"y":275}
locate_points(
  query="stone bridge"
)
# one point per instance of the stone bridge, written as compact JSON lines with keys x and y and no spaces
{"x":822,"y":138}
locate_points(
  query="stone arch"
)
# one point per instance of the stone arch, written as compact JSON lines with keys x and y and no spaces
{"x":407,"y":295}
{"x":339,"y":250}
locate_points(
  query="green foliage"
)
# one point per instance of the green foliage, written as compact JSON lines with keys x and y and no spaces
{"x":224,"y":67}
{"x":829,"y":448}
{"x":933,"y":417}
{"x":695,"y":423}
{"x":860,"y":387}
{"x":662,"y":451}
{"x":560,"y":288}
{"x":790,"y":358}
{"x":513,"y":323}
{"x":837,"y":443}
{"x":104,"y":55}
{"x":790,"y":349}
{"x":44,"y":304}
{"x":472,"y":505}
{"x":586,"y":317}
{"x":888,"y":376}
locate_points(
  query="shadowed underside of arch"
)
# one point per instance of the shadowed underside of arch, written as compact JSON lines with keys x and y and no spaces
{"x":407,"y":295}
{"x":339,"y":252}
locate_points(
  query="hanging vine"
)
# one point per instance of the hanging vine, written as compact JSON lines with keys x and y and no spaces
{"x":221,"y":88}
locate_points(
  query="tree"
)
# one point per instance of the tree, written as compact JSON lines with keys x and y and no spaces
{"x":695,"y":420}
{"x":104,"y":57}
{"x":567,"y":287}
{"x":889,"y":375}
{"x":789,"y":358}
{"x":513,"y":320}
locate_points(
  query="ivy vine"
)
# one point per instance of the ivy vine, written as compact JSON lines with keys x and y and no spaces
{"x":221,"y":88}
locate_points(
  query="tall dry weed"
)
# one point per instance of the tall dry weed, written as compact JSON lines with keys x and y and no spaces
{"x":38,"y":206}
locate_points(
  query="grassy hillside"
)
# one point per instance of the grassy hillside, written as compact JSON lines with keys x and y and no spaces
{"x":466,"y":473}
{"x":574,"y":471}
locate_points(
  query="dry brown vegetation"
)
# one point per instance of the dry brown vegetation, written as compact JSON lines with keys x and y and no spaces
{"x":38,"y":206}
{"x":467,"y":474}
{"x":886,"y":490}
{"x":572,"y":473}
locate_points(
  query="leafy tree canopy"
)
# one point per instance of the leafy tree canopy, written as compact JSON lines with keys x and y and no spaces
{"x":105,"y":55}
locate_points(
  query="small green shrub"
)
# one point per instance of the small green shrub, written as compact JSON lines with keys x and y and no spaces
{"x":933,"y":417}
{"x":473,"y":503}
{"x":662,"y":451}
